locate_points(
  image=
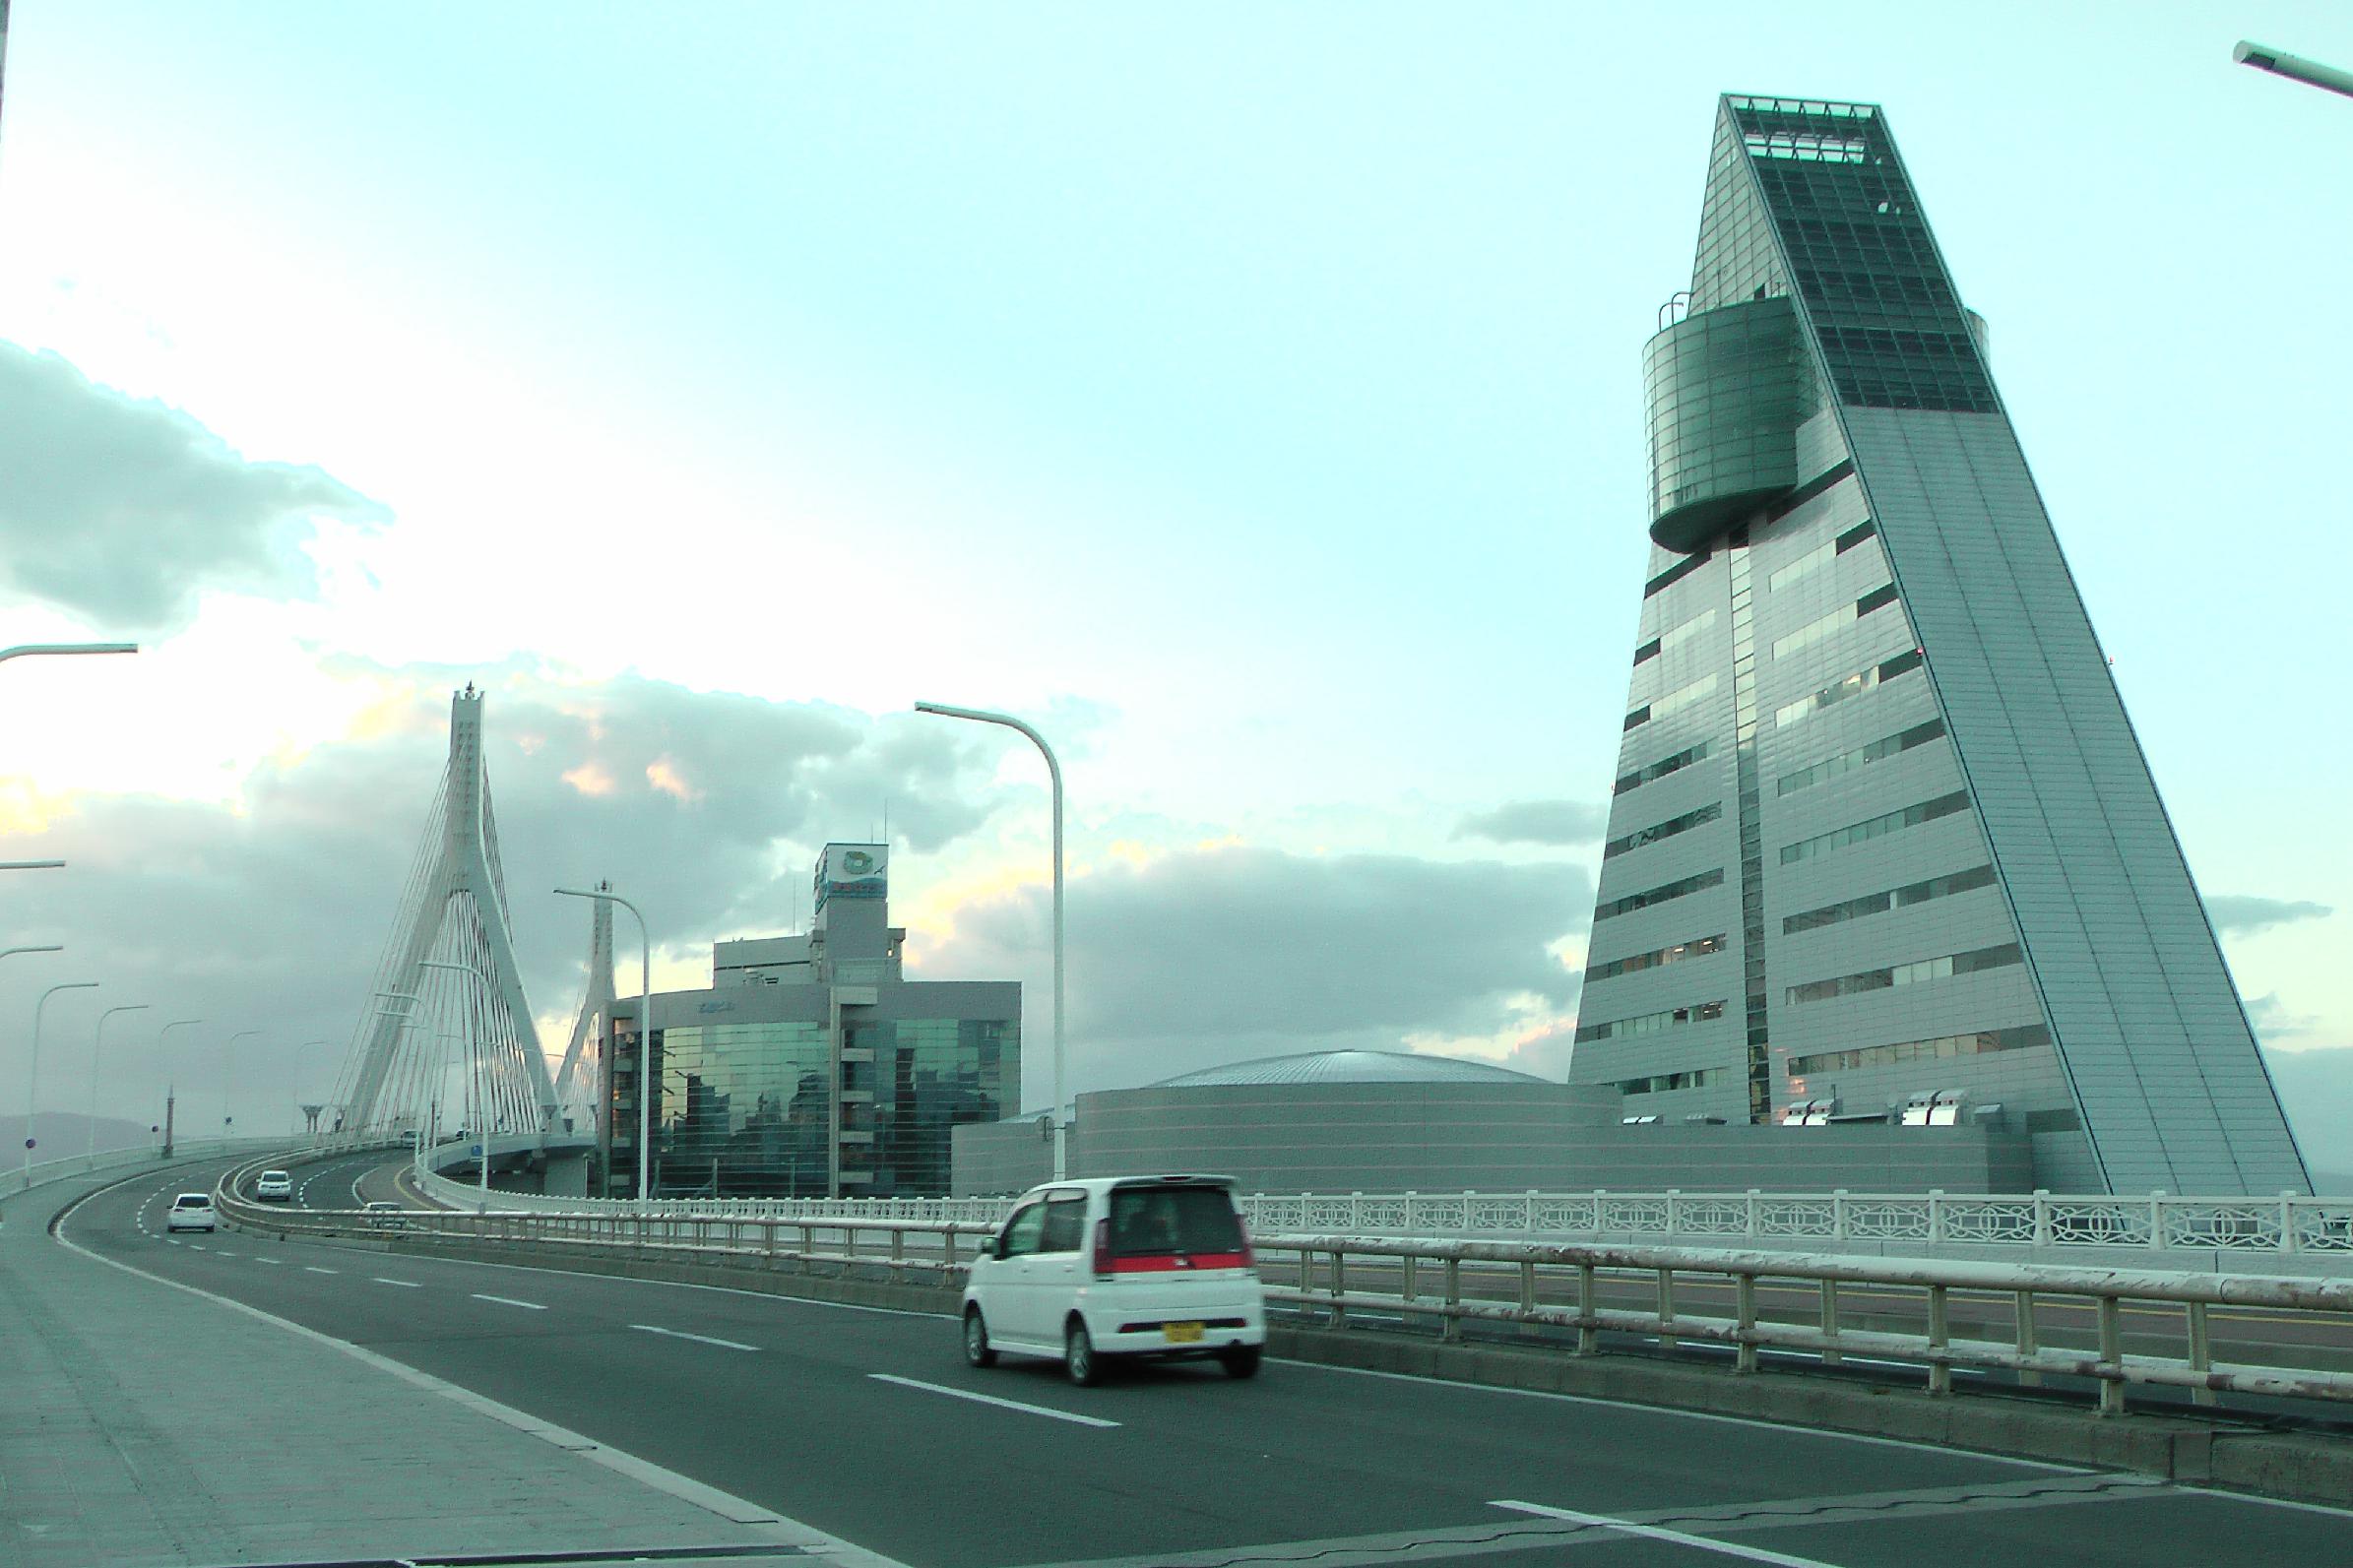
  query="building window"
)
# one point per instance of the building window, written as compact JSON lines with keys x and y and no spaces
{"x":1660,"y":769}
{"x":1861,"y":756}
{"x":1681,"y":697}
{"x":1854,"y":685}
{"x":1875,"y":827}
{"x":1697,"y":947}
{"x":1976,"y":1043}
{"x":1880,"y":903}
{"x":1661,"y":1083}
{"x":1662,"y":829}
{"x":1936,"y":968}
{"x":1649,"y":1022}
{"x":1665,"y":891}
{"x":1821,"y":555}
{"x":1674,"y":574}
{"x":1837,"y":621}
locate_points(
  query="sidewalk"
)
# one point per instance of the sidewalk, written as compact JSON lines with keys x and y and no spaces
{"x":144,"y":1425}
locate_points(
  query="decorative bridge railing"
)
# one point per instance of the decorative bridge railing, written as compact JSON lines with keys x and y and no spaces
{"x":1889,"y":1223}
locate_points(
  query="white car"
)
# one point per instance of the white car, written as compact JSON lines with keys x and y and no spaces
{"x":191,"y":1211}
{"x":383,"y":1216}
{"x":1116,"y":1267}
{"x":274,"y":1186}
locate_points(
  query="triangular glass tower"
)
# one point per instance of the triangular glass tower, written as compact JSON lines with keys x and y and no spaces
{"x":1883,"y":840}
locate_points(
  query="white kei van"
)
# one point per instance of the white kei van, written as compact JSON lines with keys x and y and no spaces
{"x":1118,"y":1267}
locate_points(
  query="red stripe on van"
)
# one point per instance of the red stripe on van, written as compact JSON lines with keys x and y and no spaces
{"x":1169,"y":1261}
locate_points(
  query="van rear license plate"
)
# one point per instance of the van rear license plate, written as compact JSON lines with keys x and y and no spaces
{"x":1182,"y":1333}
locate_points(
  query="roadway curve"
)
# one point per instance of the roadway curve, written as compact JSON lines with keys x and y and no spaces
{"x":794,"y":1406}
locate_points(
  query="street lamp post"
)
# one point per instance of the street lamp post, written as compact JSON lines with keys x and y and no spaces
{"x":2312,"y":72}
{"x":403,"y":1016}
{"x":30,"y":865}
{"x":98,"y":1046}
{"x":1053,"y":772}
{"x":170,"y":1088}
{"x":645,"y":1034}
{"x":228,"y":1079}
{"x":473,"y":1087}
{"x":33,"y":1074}
{"x":26,"y":650}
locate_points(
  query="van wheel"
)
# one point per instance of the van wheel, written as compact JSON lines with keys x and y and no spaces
{"x":977,"y":1349}
{"x":1240,"y":1361}
{"x":1078,"y":1355}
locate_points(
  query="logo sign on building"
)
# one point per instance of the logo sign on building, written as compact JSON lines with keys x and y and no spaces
{"x":851,"y":871}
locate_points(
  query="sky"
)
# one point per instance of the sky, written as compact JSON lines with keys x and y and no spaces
{"x":1247,"y":396}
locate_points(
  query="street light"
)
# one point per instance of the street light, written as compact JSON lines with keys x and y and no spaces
{"x":474,"y":1085}
{"x":313,"y":1119}
{"x":24,"y":650}
{"x":46,"y":946}
{"x":1054,"y":771}
{"x":97,"y":1044}
{"x":228,"y":1078}
{"x":2312,"y":72}
{"x":30,"y":865}
{"x":644,"y":1033}
{"x":32,"y":1075}
{"x":402,"y":1016}
{"x":170,"y":1088}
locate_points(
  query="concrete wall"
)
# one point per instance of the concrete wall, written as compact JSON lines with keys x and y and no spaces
{"x":1481,"y":1137}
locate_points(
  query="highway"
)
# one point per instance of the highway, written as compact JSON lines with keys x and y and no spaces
{"x":867,"y":1424}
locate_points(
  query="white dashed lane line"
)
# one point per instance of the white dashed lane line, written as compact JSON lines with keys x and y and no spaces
{"x":508,"y":1300}
{"x":990,"y":1399}
{"x":313,"y":1268}
{"x":699,"y":1339}
{"x":405,"y":1285}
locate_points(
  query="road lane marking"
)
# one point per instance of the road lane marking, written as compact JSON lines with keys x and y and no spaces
{"x":699,"y":1339}
{"x":258,"y":1258}
{"x":312,"y":1269}
{"x":1673,"y":1537}
{"x":405,"y":1285}
{"x":990,"y":1399}
{"x":225,"y":1253}
{"x":508,"y":1300}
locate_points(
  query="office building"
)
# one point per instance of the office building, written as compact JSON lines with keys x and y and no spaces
{"x":812,"y":1066}
{"x":1883,"y":836}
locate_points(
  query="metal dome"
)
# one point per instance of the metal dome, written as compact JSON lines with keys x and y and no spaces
{"x":1351,"y":1067}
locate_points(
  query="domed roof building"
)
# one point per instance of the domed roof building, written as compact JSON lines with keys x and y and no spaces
{"x":1351,"y":1067}
{"x":1318,"y":1121}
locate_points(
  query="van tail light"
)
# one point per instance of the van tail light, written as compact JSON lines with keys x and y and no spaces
{"x":1249,"y":1253}
{"x":1102,"y":1248}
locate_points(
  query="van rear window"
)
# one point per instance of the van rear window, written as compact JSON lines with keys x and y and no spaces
{"x":192,"y":1200}
{"x":1166,"y":1222}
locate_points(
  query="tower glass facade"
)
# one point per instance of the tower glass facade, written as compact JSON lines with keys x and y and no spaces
{"x":1881,"y":835}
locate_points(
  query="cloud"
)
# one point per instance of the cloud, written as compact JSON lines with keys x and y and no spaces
{"x":1553,"y":822}
{"x":2272,"y":1020}
{"x":271,"y":915}
{"x":122,"y":510}
{"x":1224,"y":952}
{"x":2236,"y":914}
{"x":2317,"y":1088}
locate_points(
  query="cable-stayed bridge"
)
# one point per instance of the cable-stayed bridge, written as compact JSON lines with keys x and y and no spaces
{"x":446,"y":1041}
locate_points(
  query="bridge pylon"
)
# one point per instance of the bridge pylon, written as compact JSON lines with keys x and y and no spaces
{"x":453,"y":911}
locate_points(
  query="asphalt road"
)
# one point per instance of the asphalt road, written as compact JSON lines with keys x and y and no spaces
{"x":869,"y":1424}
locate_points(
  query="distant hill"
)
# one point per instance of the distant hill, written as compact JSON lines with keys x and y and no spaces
{"x":64,"y":1134}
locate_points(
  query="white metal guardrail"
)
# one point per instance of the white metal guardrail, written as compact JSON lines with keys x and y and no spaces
{"x":13,"y":1179}
{"x":2244,"y":1228}
{"x":2034,"y":1321}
